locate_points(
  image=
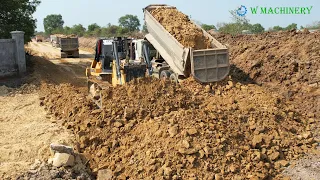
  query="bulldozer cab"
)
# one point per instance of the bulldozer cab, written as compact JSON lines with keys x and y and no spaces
{"x":105,"y":51}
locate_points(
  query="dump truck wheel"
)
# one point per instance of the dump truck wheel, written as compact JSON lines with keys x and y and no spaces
{"x":174,"y":78}
{"x":165,"y":74}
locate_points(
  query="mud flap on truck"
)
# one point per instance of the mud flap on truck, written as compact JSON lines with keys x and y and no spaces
{"x":209,"y":65}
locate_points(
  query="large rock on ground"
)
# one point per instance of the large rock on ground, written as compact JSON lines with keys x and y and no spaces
{"x":63,"y":159}
{"x":104,"y":174}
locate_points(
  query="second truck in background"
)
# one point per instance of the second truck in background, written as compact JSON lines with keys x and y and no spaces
{"x":69,"y":45}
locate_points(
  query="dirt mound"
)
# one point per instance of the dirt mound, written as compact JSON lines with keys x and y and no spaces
{"x":287,"y":62}
{"x":180,"y":26}
{"x":156,"y":129}
{"x":88,"y":44}
{"x":286,"y":57}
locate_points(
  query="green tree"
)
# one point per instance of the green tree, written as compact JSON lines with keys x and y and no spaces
{"x":17,"y":15}
{"x":144,"y":28}
{"x":291,"y":26}
{"x":207,"y":27}
{"x":278,"y":28}
{"x":110,"y":31}
{"x":96,"y":32}
{"x":58,"y":31}
{"x":129,"y":22}
{"x":103,"y":32}
{"x":113,"y":30}
{"x":257,"y":28}
{"x":122,"y":31}
{"x":78,"y":29}
{"x":53,"y":22}
{"x":231,"y":28}
{"x":67,"y":30}
{"x":239,"y":24}
{"x":93,"y":27}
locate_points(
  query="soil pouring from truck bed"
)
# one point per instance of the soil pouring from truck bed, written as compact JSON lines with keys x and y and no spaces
{"x":181,"y":28}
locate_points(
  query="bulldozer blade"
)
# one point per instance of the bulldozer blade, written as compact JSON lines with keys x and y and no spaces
{"x":94,"y":92}
{"x":95,"y":87}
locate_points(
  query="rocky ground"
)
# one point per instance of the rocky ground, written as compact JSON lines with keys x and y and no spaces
{"x":285,"y":62}
{"x":65,"y":164}
{"x":227,"y":130}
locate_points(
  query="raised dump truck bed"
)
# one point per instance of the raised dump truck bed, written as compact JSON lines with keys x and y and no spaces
{"x":205,"y":65}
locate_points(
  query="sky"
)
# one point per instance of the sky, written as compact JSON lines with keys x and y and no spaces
{"x":102,"y":12}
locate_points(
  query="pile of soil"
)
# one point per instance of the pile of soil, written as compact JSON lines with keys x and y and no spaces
{"x":287,"y":57}
{"x":287,"y":62}
{"x":152,"y":128}
{"x":181,"y":28}
{"x":88,"y":44}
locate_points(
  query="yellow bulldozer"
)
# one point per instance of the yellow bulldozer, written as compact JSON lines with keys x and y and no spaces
{"x":115,"y":63}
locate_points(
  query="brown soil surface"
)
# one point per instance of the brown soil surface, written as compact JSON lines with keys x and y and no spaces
{"x":180,"y":26}
{"x":26,"y":132}
{"x":26,"y":129}
{"x":285,"y":62}
{"x":155,"y":129}
{"x":88,"y":44}
{"x":49,"y":67}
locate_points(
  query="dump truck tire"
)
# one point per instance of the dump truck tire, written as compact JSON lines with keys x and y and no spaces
{"x":165,"y":74}
{"x":174,"y":78}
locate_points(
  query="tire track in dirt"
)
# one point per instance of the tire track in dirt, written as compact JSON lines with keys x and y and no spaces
{"x":58,"y":70}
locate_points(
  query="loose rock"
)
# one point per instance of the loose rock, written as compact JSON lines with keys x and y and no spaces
{"x":63,"y":159}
